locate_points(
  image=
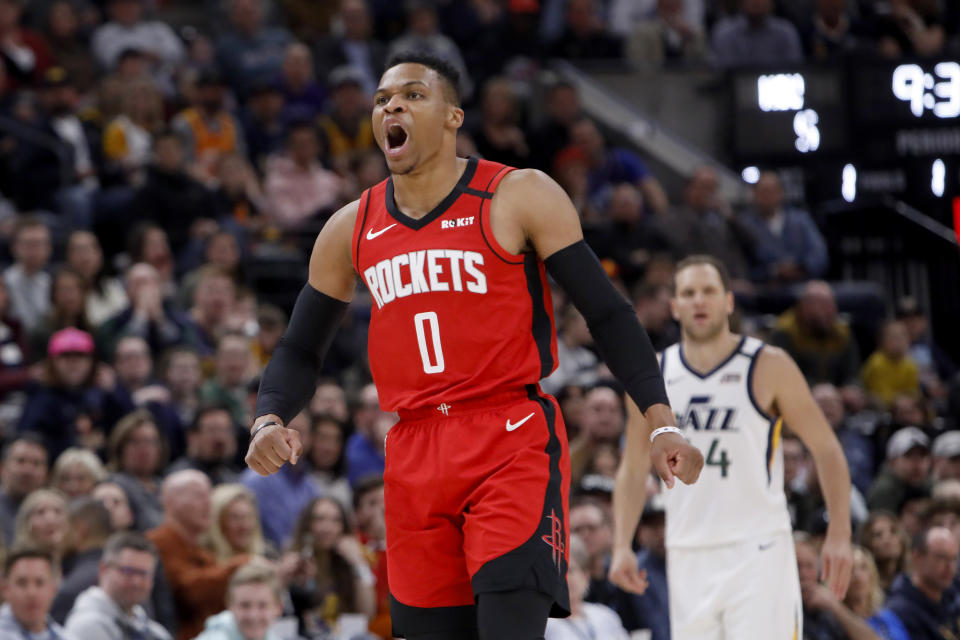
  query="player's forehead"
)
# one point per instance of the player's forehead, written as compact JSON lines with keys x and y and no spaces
{"x":408,"y":74}
{"x":698,"y":276}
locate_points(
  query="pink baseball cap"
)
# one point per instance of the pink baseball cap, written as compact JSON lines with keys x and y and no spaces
{"x":70,"y":340}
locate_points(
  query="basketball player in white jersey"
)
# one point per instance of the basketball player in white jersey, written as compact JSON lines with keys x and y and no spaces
{"x":731,"y":567}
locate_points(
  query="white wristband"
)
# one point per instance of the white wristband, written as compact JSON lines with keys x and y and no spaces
{"x":657,"y":432}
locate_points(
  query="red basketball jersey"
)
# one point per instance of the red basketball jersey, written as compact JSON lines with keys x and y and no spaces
{"x":454,"y":315}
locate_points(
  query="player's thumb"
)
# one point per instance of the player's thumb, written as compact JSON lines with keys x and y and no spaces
{"x":662,"y":466}
{"x":292,"y":438}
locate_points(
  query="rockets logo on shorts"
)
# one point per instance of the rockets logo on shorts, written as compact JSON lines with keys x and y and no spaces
{"x":555,"y":538}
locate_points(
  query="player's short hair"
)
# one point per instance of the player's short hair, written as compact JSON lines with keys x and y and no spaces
{"x":700,"y":259}
{"x":255,"y":572}
{"x":443,"y":68}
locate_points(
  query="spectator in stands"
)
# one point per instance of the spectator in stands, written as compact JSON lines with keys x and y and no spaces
{"x":820,"y":343}
{"x":498,"y":135}
{"x":235,"y":527}
{"x":30,"y":578}
{"x":576,"y":363}
{"x":705,"y":223}
{"x":832,"y":31}
{"x":28,"y":283}
{"x":667,"y":37}
{"x":233,"y":371}
{"x":584,"y":34}
{"x":14,"y":374}
{"x":146,"y":316}
{"x":946,"y":456}
{"x":137,"y":456}
{"x":207,"y":129}
{"x":909,"y":28}
{"x":211,"y":446}
{"x":127,"y":29}
{"x":23,"y":470}
{"x":113,"y":608}
{"x":198,"y":581}
{"x":304,"y":97}
{"x":65,"y":408}
{"x":922,"y":599}
{"x":182,"y":374}
{"x":906,"y":474}
{"x":296,"y":185}
{"x":652,"y":304}
{"x":326,"y":456}
{"x":650,"y":610}
{"x":128,"y":137}
{"x":105,"y":296}
{"x":113,"y":497}
{"x":76,"y":472}
{"x":602,"y":422}
{"x":368,"y":509}
{"x":823,"y":615}
{"x":355,"y":46}
{"x":67,"y":309}
{"x":213,"y":299}
{"x":789,"y":247}
{"x":934,"y":364}
{"x":586,"y":618}
{"x":755,"y":37}
{"x":342,"y":581}
{"x":263,"y":124}
{"x":254,"y":602}
{"x":346,"y":127}
{"x":884,"y":537}
{"x":150,"y":243}
{"x":88,"y":527}
{"x":609,"y":167}
{"x":238,"y":200}
{"x":364,"y":453}
{"x":561,"y":104}
{"x":42,"y":522}
{"x":423,"y":36}
{"x":249,"y":49}
{"x":890,"y":370}
{"x":68,"y":45}
{"x":27,"y":55}
{"x":282,"y":496}
{"x":591,"y":523}
{"x":135,"y":388}
{"x":857,"y":447}
{"x":271,"y":325}
{"x":864,"y":596}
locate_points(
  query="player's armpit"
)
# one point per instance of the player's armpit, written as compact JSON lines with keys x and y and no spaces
{"x":331,"y":264}
{"x":530,"y":210}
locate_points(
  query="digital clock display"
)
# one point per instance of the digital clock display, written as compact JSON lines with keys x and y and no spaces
{"x":937,"y":91}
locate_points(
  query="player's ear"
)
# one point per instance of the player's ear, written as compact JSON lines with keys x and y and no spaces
{"x":455,"y":117}
{"x":729,"y":302}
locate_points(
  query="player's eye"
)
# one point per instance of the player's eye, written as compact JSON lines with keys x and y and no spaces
{"x":414,"y":95}
{"x":380,"y":100}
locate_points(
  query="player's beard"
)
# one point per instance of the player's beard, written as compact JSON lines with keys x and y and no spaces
{"x":709,"y":333}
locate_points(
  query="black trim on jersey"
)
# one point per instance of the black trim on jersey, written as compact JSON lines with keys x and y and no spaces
{"x":363,"y":223}
{"x":534,"y":559}
{"x":483,"y":233}
{"x":486,"y":195}
{"x":704,"y":376}
{"x":419,"y":223}
{"x":753,"y":399}
{"x":663,"y":363}
{"x":541,"y":326}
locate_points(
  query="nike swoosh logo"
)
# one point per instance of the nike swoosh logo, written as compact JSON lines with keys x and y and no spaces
{"x":514,"y":425}
{"x":371,"y":234}
{"x":764,"y":547}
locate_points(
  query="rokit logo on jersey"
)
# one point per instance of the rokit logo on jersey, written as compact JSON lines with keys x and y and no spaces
{"x":425,"y":271}
{"x":700,"y":415}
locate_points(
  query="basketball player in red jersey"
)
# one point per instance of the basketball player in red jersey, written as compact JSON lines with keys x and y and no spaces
{"x":455,"y":253}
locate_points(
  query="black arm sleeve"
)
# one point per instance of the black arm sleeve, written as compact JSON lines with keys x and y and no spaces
{"x":621,"y":340}
{"x":290,"y":378}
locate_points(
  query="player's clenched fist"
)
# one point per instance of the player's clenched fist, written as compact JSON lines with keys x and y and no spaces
{"x":674,"y":457}
{"x":272,"y":446}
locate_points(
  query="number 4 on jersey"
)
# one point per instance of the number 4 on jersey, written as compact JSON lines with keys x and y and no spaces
{"x":723,"y":462}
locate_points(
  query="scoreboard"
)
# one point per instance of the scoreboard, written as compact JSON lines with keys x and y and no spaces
{"x":855,"y":128}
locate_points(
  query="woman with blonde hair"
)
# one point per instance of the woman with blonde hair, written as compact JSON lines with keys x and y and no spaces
{"x":885,"y":538}
{"x":42,"y":522}
{"x":864,"y":595}
{"x":235,"y":523}
{"x":76,"y":472}
{"x":137,"y":454}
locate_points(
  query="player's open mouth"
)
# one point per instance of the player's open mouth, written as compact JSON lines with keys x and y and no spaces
{"x":396,"y":139}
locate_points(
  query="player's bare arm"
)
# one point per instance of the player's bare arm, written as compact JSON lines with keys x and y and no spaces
{"x":320,"y":305}
{"x":532,"y":212}
{"x":784,"y":392}
{"x":629,"y":496}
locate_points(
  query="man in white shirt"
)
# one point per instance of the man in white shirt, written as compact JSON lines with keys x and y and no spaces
{"x":28,"y":284}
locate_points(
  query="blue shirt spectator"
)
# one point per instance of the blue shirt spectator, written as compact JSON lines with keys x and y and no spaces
{"x":281,"y":497}
{"x":756,"y":37}
{"x":363,"y":458}
{"x":923,"y":600}
{"x":250,"y":50}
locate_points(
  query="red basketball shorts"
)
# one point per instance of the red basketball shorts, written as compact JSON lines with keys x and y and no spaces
{"x":476,"y":501}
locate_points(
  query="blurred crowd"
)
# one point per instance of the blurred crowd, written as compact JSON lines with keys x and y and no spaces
{"x":164,"y":169}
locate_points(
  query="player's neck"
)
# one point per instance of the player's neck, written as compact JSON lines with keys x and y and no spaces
{"x":418,"y":192}
{"x":704,"y":355}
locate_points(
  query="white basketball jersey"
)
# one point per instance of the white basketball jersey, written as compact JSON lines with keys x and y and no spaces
{"x":740,"y":491}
